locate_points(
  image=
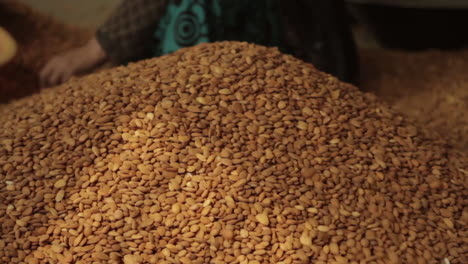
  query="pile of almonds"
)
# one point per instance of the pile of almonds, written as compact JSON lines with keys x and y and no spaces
{"x":39,"y":38}
{"x":223,"y":153}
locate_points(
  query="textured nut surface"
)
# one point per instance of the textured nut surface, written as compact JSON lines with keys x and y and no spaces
{"x":290,"y":166}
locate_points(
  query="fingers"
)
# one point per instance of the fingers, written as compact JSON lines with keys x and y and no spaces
{"x":50,"y":73}
{"x":54,"y":73}
{"x":65,"y":77}
{"x":45,"y":73}
{"x":54,"y":77}
{"x":62,"y":67}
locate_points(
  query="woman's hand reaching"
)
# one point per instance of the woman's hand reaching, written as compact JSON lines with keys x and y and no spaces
{"x":80,"y":60}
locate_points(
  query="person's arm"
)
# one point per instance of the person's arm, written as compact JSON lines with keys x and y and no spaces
{"x":126,"y":36}
{"x":60,"y":68}
{"x":318,"y":32}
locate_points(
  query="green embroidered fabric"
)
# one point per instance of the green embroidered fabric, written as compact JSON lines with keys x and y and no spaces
{"x":190,"y":22}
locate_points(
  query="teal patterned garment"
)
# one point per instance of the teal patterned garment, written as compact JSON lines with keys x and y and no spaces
{"x":191,"y":22}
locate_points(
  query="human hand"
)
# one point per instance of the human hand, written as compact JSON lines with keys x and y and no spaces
{"x":61,"y":67}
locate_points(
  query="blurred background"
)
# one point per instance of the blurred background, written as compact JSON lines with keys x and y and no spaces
{"x":396,"y":23}
{"x":85,"y":13}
